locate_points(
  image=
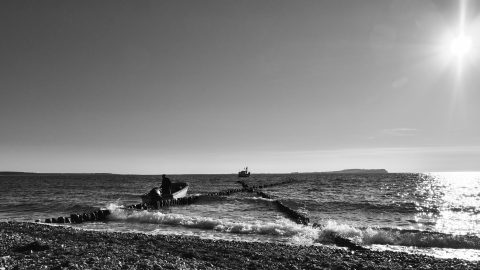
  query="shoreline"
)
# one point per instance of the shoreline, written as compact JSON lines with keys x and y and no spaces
{"x":39,"y":246}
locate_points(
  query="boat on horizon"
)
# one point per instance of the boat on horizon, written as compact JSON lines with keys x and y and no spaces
{"x":244,"y":173}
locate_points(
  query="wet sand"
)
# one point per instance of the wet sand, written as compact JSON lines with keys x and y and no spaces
{"x":40,"y":246}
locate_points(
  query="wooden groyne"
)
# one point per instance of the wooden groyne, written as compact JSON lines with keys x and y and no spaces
{"x":102,"y":214}
{"x":98,"y":215}
{"x":225,"y":192}
{"x":300,"y":218}
{"x":164,"y":203}
{"x":292,"y":214}
{"x":253,"y":187}
{"x":289,"y":212}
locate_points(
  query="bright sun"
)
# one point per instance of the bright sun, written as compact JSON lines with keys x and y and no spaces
{"x":460,"y":46}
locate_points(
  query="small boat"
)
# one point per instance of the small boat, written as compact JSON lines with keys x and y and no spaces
{"x":179,"y":190}
{"x":244,"y":173}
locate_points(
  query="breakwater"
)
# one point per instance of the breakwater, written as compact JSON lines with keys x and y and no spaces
{"x":164,"y":203}
{"x":298,"y":217}
{"x":98,"y":215}
{"x":292,"y":214}
{"x":102,"y":214}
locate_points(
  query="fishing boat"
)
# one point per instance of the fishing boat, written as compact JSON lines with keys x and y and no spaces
{"x":178,"y":190}
{"x":244,"y":173}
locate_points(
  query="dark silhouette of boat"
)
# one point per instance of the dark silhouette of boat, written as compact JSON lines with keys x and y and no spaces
{"x":244,"y":173}
{"x":178,"y":190}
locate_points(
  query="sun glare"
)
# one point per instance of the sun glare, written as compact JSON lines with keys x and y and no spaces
{"x":459,"y":50}
{"x":460,"y":46}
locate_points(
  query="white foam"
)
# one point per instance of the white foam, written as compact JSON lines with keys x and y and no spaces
{"x":373,"y":236}
{"x":299,"y":234}
{"x":332,"y":228}
{"x":280,"y":227}
{"x":261,"y":199}
{"x":113,"y":206}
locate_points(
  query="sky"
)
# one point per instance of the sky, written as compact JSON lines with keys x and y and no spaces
{"x":184,"y":86}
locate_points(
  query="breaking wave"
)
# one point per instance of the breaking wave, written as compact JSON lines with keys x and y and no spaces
{"x":258,"y":199}
{"x":387,"y":236}
{"x":281,"y":227}
{"x":325,"y":234}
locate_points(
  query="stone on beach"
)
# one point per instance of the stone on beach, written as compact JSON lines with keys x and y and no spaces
{"x":33,"y":246}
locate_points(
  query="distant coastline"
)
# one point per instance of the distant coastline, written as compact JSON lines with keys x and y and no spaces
{"x":34,"y":173}
{"x":349,"y":171}
{"x":346,"y":171}
{"x":15,"y":173}
{"x":361,"y":171}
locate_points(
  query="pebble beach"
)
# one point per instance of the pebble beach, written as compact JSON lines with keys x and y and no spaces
{"x":26,"y":245}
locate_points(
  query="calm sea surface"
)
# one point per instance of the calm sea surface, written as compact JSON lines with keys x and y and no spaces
{"x":428,"y":213}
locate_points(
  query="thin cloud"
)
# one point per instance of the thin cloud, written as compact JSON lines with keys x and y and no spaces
{"x":399,"y":132}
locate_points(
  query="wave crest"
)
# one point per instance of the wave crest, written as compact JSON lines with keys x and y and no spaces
{"x":282,"y":227}
{"x":386,"y":236}
{"x":325,"y":234}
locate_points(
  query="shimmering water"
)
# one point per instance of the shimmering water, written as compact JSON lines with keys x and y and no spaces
{"x":431,"y":213}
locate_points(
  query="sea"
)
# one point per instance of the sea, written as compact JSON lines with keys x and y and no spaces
{"x":436,"y":214}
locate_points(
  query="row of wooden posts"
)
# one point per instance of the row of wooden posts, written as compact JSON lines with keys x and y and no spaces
{"x":225,"y":192}
{"x":102,"y":214}
{"x":292,"y":214}
{"x":165,"y":203}
{"x":300,"y":218}
{"x":98,"y":215}
{"x":254,"y":187}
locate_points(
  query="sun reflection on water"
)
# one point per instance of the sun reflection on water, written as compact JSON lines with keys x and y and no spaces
{"x":453,"y":200}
